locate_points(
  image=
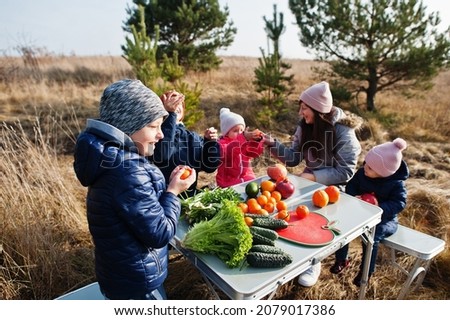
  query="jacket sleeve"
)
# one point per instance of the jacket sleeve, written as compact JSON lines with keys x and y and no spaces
{"x":252,"y":149}
{"x":150,"y":213}
{"x":289,"y":156}
{"x":395,"y":203}
{"x":345,"y":158}
{"x":165,"y":148}
{"x":210,"y":155}
{"x":353,"y":186}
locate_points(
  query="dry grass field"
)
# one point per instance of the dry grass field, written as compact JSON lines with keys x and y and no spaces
{"x":45,"y":246}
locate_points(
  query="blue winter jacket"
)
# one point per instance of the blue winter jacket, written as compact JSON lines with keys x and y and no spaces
{"x":390,"y":191}
{"x":131,"y":217}
{"x":183,"y":147}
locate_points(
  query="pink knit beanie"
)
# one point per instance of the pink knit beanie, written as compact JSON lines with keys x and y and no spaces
{"x":385,"y":159}
{"x":229,"y":119}
{"x":318,"y":97}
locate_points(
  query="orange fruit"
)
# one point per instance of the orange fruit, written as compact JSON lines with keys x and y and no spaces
{"x":262,"y":200}
{"x":253,"y":205}
{"x":320,"y":198}
{"x":269,"y":207}
{"x":302,"y":211}
{"x":248,"y":221}
{"x":281,"y":205}
{"x":267,"y":194}
{"x":272,"y":200}
{"x":263,"y":212}
{"x":333,"y":193}
{"x":243,"y":206}
{"x":267,"y":185}
{"x":284,"y":215}
{"x":276,"y":194}
{"x":186,"y":173}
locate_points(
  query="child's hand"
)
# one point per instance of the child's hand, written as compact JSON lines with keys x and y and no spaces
{"x":268,"y":140}
{"x":180,"y":180}
{"x":172,"y":100}
{"x":256,"y":134}
{"x":211,"y":134}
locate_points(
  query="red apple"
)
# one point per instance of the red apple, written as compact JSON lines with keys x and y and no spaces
{"x":285,"y":187}
{"x":370,"y":198}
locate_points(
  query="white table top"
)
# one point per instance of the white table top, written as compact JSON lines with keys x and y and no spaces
{"x":354,"y":218}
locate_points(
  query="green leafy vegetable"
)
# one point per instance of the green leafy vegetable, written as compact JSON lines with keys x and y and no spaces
{"x":205,"y":205}
{"x":225,"y":235}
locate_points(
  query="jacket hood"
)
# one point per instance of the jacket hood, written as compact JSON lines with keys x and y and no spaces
{"x":347,"y":118}
{"x":99,"y":147}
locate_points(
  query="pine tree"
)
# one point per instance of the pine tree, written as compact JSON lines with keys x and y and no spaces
{"x":140,"y":52}
{"x":370,"y":46}
{"x":195,"y":29}
{"x":270,"y":78}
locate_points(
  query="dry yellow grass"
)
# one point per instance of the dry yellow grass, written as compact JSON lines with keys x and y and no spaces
{"x":45,"y":246}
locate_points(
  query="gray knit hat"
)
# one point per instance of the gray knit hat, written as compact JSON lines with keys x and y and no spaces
{"x":129,"y":106}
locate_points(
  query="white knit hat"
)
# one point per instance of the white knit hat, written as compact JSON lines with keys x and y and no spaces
{"x":385,"y":159}
{"x":229,"y":119}
{"x":318,"y":97}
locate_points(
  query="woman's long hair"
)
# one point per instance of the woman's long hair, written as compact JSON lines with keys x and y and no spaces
{"x":318,"y":139}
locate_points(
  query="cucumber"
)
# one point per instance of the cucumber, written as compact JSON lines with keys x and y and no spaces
{"x":268,"y":260}
{"x":259,"y":239}
{"x":270,"y":223}
{"x":268,"y":233}
{"x":257,"y":215}
{"x":266,"y":249}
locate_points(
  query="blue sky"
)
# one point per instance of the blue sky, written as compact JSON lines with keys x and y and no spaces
{"x":94,"y":27}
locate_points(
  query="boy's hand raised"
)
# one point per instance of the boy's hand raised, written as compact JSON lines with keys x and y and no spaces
{"x":171,"y":100}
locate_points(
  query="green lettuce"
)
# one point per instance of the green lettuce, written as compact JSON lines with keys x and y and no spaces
{"x":225,"y":235}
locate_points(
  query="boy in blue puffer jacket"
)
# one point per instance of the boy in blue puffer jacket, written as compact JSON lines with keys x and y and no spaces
{"x":132,"y":214}
{"x":383,"y":175}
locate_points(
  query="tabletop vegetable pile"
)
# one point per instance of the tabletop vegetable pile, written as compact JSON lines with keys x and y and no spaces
{"x":217,"y":225}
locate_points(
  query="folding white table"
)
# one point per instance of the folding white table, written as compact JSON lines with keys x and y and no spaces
{"x":354,"y":218}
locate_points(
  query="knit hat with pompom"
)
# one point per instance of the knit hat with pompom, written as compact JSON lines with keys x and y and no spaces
{"x":385,"y":159}
{"x":229,"y":119}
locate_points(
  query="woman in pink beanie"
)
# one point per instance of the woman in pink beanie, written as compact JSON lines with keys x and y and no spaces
{"x":383,"y":177}
{"x":325,"y":139}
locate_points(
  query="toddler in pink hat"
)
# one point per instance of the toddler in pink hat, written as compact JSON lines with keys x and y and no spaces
{"x":385,"y":159}
{"x":238,"y":147}
{"x":383,"y":178}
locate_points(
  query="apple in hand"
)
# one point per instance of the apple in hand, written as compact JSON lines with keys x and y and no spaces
{"x":370,"y":198}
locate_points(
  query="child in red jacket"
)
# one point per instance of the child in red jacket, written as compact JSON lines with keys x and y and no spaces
{"x":238,"y":147}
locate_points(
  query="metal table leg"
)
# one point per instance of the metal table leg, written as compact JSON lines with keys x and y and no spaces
{"x":368,"y":239}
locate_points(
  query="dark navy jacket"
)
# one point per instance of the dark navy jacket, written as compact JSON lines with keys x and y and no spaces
{"x":131,"y":217}
{"x":183,"y":147}
{"x":390,"y":191}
